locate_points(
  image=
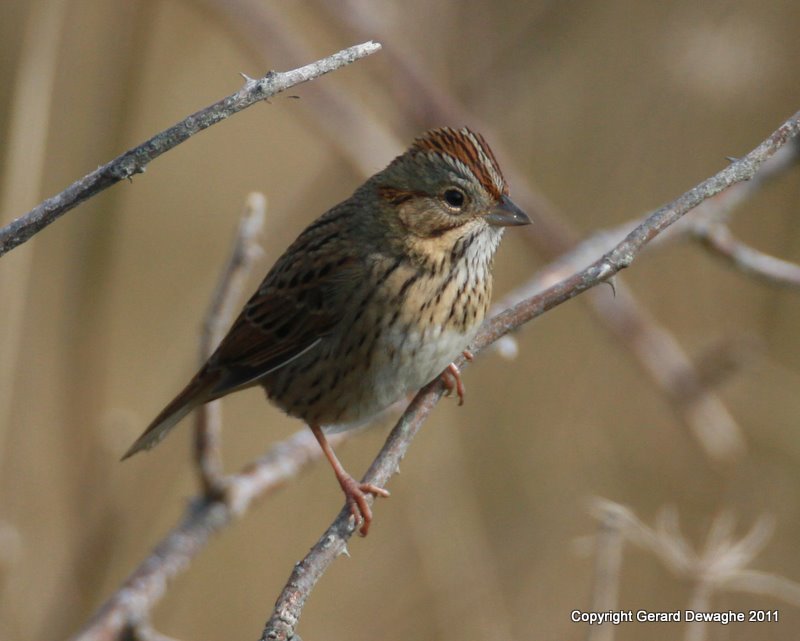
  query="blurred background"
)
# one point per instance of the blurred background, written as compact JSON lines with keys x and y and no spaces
{"x":606,"y":110}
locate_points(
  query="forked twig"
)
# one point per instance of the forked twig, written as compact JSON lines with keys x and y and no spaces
{"x":131,"y":604}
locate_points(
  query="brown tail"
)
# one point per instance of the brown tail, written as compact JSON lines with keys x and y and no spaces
{"x":193,"y":395}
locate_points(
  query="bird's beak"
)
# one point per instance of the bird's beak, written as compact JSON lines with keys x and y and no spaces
{"x":507,"y":214}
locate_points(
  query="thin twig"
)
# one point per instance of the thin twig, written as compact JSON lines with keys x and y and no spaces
{"x":135,"y":160}
{"x":623,"y":254}
{"x":208,"y":418}
{"x":306,"y":573}
{"x":608,"y":547}
{"x":717,"y":237}
{"x":360,"y":134}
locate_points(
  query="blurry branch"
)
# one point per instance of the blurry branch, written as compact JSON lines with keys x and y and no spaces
{"x":130,"y":605}
{"x":721,"y":566}
{"x":135,"y":160}
{"x":24,"y":152}
{"x":10,"y":548}
{"x":687,"y":385}
{"x":608,"y":545}
{"x":144,"y":633}
{"x":226,"y":297}
{"x":716,"y":209}
{"x":306,"y":573}
{"x":717,"y":237}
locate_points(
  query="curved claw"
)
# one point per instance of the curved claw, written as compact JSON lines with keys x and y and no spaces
{"x":451,"y":377}
{"x":356,"y":495}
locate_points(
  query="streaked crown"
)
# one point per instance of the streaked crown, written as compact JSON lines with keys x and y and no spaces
{"x":468,"y":153}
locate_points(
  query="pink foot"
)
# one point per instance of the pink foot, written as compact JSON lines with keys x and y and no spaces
{"x":451,"y":377}
{"x":356,"y":495}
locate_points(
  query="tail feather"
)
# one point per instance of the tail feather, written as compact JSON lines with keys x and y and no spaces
{"x":196,"y":393}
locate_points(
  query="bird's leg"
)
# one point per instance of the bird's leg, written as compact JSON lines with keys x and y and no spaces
{"x":451,"y":377}
{"x":355,"y":492}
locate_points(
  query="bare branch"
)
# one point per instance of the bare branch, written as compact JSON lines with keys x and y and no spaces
{"x":208,"y":418}
{"x":718,"y":238}
{"x":135,"y":160}
{"x":306,"y":573}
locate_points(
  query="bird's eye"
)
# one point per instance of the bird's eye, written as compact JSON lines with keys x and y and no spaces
{"x":454,"y":198}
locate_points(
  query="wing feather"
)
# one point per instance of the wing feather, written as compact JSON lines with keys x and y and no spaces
{"x":297,"y":305}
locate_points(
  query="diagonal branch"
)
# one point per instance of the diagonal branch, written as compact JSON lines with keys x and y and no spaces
{"x":306,"y":573}
{"x":134,"y":161}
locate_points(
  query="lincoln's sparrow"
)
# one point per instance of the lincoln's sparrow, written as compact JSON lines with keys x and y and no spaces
{"x":372,"y":301}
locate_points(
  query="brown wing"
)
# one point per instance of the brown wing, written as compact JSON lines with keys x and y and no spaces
{"x":300,"y":301}
{"x":285,"y":318}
